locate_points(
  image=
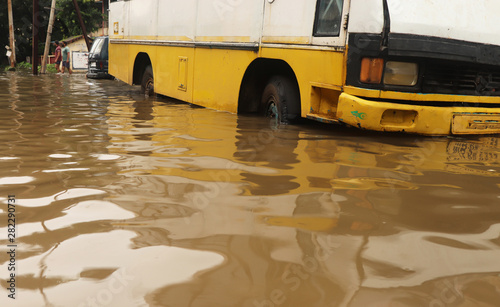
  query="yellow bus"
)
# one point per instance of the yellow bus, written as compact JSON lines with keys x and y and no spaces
{"x":427,"y":67}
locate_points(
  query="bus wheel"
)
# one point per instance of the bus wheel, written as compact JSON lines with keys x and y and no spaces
{"x":147,"y":84}
{"x":281,"y":100}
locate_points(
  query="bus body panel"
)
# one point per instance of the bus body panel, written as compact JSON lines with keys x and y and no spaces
{"x":472,"y":21}
{"x":120,"y":64}
{"x":229,"y":21}
{"x":144,"y":24}
{"x":366,"y":16}
{"x":177,"y":20}
{"x":218,"y":76}
{"x":174,"y":72}
{"x":118,"y":19}
{"x":277,"y":26}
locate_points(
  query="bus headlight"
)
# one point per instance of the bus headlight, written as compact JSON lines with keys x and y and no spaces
{"x":401,"y":73}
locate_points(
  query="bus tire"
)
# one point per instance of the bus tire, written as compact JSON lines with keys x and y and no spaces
{"x":147,"y":84}
{"x":281,"y":100}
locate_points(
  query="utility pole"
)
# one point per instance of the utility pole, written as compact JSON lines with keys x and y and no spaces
{"x":11,"y":34}
{"x":34,"y":51}
{"x":102,"y":17}
{"x":49,"y":35}
{"x":82,"y":25}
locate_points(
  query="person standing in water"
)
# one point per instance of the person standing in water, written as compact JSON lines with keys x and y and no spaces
{"x":58,"y":56}
{"x":65,"y":58}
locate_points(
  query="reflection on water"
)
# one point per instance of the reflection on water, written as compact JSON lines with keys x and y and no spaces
{"x":127,"y":201}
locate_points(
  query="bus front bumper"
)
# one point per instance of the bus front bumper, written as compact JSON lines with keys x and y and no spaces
{"x":385,"y":116}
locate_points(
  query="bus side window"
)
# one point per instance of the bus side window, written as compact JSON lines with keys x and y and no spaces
{"x":328,"y":17}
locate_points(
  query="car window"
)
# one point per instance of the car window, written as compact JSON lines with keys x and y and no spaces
{"x":97,"y":45}
{"x":104,"y":50}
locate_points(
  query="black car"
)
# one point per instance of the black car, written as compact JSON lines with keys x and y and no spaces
{"x":98,"y":59}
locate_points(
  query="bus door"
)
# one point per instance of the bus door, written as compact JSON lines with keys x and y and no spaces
{"x":311,"y":22}
{"x":330,"y":23}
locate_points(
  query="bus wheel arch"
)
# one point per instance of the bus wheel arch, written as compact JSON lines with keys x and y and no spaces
{"x":262,"y":75}
{"x":143,"y":73}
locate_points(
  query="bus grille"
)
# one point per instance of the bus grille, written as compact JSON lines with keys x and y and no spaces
{"x":457,"y":78}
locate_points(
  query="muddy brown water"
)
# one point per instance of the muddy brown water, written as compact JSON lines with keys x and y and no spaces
{"x":123,"y":200}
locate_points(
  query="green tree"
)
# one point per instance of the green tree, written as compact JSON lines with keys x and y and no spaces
{"x":66,"y":23}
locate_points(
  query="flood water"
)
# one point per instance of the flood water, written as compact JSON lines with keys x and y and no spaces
{"x":123,"y":200}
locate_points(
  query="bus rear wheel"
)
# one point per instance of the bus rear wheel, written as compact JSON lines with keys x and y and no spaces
{"x":147,"y":84}
{"x":281,"y":100}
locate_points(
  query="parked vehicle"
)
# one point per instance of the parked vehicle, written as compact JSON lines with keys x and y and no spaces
{"x":98,"y":59}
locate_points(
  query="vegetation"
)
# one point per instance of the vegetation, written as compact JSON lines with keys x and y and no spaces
{"x":66,"y":23}
{"x":24,"y":66}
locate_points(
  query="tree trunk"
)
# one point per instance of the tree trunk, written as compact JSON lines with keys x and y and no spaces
{"x":49,"y":35}
{"x":34,"y":51}
{"x":11,"y":34}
